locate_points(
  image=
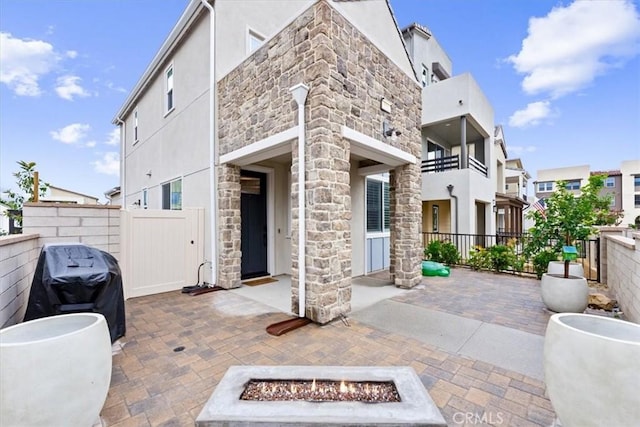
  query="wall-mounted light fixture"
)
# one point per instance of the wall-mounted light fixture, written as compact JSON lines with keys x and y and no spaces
{"x":149,"y":173}
{"x":495,"y":207}
{"x":390,"y":132}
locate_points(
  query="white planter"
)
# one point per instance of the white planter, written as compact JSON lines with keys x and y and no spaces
{"x":55,"y":371}
{"x":564,"y":295}
{"x":557,"y":267}
{"x":592,"y":370}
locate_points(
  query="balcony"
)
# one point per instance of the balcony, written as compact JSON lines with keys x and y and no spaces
{"x":444,"y":164}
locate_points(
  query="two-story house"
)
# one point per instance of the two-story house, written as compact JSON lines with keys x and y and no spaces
{"x":623,"y":185}
{"x":270,"y":115}
{"x":457,"y":130}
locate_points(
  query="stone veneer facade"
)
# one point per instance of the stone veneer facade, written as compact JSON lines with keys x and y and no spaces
{"x":347,"y":76}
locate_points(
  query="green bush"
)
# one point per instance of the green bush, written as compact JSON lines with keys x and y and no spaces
{"x":502,"y":257}
{"x":443,"y":252}
{"x":541,"y":261}
{"x":479,"y":259}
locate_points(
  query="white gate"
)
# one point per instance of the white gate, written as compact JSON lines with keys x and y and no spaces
{"x":160,"y":249}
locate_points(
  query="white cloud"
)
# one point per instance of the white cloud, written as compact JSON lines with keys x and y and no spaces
{"x":114,"y":137}
{"x":531,"y":115}
{"x":91,"y":144}
{"x":519,"y":149}
{"x":568,"y":48}
{"x":68,"y":86}
{"x":71,"y":54}
{"x":23,"y":62}
{"x":109,"y":164}
{"x":71,"y":134}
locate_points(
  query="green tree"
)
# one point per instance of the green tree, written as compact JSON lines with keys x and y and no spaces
{"x":569,"y":218}
{"x":25,"y":181}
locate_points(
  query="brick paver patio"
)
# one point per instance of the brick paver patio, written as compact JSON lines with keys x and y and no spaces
{"x":153,"y":385}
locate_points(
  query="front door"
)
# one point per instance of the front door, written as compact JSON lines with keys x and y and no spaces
{"x":253,"y":208}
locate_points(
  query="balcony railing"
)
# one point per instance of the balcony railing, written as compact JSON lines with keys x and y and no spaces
{"x":444,"y":164}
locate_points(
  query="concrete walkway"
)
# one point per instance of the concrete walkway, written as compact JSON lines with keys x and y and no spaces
{"x":375,"y":301}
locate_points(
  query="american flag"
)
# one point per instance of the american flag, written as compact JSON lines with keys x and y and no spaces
{"x":540,"y":206}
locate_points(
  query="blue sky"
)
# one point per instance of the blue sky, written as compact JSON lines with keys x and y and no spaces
{"x":563,"y":77}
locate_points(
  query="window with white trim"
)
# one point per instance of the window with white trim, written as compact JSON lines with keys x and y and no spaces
{"x":636,"y":182}
{"x":378,"y":213}
{"x":172,"y":195}
{"x":254,"y":41}
{"x":572,"y":185}
{"x":610,"y":182}
{"x":135,"y":125}
{"x":545,"y":186}
{"x":612,"y":202}
{"x":169,"y":89}
{"x":425,"y":76}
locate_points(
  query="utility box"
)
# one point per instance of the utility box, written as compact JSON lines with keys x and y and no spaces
{"x":569,"y":253}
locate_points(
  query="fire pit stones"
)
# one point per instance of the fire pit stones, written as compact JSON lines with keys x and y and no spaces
{"x":225,"y":408}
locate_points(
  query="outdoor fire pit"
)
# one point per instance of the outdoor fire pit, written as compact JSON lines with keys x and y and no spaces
{"x":322,"y":395}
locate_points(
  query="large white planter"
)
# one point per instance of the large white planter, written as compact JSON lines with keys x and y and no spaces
{"x":557,"y":267}
{"x":592,"y":370}
{"x":55,"y":371}
{"x":562,"y":295}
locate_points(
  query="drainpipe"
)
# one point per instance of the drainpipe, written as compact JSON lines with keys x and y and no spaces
{"x":213,"y":147}
{"x":123,"y":159}
{"x":299,"y":93}
{"x":450,"y":188}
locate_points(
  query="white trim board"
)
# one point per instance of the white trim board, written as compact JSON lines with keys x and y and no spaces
{"x":267,"y":148}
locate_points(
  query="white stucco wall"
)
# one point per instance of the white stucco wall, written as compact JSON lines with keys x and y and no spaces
{"x":629,"y":169}
{"x":358,"y":226}
{"x":18,"y":258}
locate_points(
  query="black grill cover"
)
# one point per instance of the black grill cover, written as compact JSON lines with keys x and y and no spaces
{"x":72,"y":278}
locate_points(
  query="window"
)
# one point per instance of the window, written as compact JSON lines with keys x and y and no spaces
{"x":169,"y":86}
{"x":135,"y":126}
{"x":172,"y":195}
{"x":636,"y":182}
{"x":610,"y":182}
{"x":254,"y":41}
{"x":435,"y":218}
{"x":425,"y":76}
{"x":572,"y":185}
{"x":145,"y":198}
{"x":545,"y":186}
{"x":637,"y":200}
{"x":612,"y":203}
{"x":378,"y":214}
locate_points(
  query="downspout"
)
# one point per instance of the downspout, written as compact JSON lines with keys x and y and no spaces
{"x":213,"y":147}
{"x":123,"y":159}
{"x":299,"y":93}
{"x":450,"y":188}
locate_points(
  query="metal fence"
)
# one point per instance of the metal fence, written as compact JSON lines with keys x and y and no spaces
{"x":588,"y":250}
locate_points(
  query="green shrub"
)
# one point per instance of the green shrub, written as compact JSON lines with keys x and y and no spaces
{"x":541,"y":261}
{"x":443,"y":252}
{"x":479,"y":259}
{"x":501,"y":257}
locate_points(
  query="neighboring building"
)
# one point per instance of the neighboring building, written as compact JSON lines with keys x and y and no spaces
{"x":511,"y":194}
{"x":61,"y":195}
{"x":622,"y":184}
{"x":459,"y":175}
{"x":239,"y":160}
{"x":114,"y":196}
{"x":4,"y":219}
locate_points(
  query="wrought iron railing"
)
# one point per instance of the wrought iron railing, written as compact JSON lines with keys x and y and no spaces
{"x":467,"y":244}
{"x":444,"y":164}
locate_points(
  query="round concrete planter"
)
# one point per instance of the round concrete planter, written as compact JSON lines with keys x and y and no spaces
{"x":570,"y":295}
{"x":557,"y":267}
{"x":55,"y":370}
{"x":592,"y":370}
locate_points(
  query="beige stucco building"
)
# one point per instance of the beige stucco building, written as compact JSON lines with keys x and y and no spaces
{"x":237,"y":95}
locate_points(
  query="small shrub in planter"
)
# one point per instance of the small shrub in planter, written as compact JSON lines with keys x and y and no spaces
{"x":442,"y":252}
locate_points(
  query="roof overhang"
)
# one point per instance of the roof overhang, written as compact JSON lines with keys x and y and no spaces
{"x":272,"y":146}
{"x":370,"y":148}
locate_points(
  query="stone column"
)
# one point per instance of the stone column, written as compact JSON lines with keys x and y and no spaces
{"x":328,"y":216}
{"x":229,"y":224}
{"x":405,"y":195}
